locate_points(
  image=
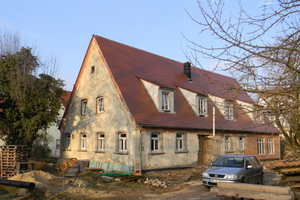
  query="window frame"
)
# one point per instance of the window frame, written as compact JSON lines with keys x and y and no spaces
{"x":228,"y":146}
{"x":154,"y":142}
{"x":165,"y":102}
{"x":100,"y":109}
{"x":260,"y":146}
{"x":100,"y":142}
{"x":159,"y":140}
{"x":258,"y":114}
{"x":122,"y":141}
{"x":57,"y":144}
{"x":242,"y":145}
{"x":84,"y":108}
{"x":183,"y":141}
{"x":83,"y":141}
{"x":228,"y":110}
{"x":270,"y":145}
{"x":204,"y":106}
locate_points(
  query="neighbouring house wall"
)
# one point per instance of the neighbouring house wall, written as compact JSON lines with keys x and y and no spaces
{"x":215,"y":147}
{"x":114,"y":120}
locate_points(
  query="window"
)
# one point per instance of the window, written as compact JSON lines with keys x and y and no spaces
{"x":57,"y":146}
{"x":258,"y":116}
{"x":84,"y":107}
{"x":101,"y":141}
{"x":154,"y":142}
{"x":179,"y":141}
{"x":122,"y":142}
{"x":92,"y":69}
{"x":165,"y":104}
{"x":83,"y":142}
{"x":242,"y":143}
{"x":67,"y":142}
{"x":229,"y":110}
{"x":260,"y":146}
{"x":46,"y":144}
{"x":227,"y":143}
{"x":100,"y":104}
{"x":202,"y":106}
{"x":270,"y":146}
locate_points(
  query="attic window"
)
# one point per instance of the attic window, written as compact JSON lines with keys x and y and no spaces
{"x":202,"y":106}
{"x":92,"y":69}
{"x":229,"y":110}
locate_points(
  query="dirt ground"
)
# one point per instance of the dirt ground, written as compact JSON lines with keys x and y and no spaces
{"x":51,"y":185}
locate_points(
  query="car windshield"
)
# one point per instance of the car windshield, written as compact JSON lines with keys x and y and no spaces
{"x":230,"y":162}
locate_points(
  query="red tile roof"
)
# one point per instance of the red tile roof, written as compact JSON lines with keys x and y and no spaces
{"x":128,"y":65}
{"x":65,"y":98}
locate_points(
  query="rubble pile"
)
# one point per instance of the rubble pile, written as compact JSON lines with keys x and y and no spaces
{"x":156,"y":183}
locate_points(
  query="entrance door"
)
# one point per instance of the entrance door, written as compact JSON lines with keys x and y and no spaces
{"x":201,"y":150}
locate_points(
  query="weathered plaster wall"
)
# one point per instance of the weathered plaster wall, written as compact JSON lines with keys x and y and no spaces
{"x":191,"y":97}
{"x":248,"y":108}
{"x":152,"y":91}
{"x":219,"y":103}
{"x":113,"y":120}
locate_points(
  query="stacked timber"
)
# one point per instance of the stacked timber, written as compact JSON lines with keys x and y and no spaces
{"x":10,"y":156}
{"x":289,"y":166}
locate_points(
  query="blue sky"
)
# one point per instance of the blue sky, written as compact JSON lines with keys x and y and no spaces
{"x":64,"y":28}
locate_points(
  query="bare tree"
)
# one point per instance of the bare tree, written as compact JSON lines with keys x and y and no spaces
{"x":261,"y":52}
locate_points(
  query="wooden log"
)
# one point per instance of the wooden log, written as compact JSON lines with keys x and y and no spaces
{"x":292,"y":178}
{"x":286,"y":164}
{"x":290,"y":170}
{"x":250,"y":194}
{"x":256,"y":188}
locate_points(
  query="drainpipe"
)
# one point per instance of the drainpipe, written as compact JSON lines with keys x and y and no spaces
{"x":141,"y":148}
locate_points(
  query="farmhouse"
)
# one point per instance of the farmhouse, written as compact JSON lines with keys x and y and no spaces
{"x":131,"y":110}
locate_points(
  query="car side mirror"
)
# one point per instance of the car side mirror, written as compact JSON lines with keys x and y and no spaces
{"x":249,"y":166}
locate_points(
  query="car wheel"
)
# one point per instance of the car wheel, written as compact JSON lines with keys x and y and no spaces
{"x":262,"y":179}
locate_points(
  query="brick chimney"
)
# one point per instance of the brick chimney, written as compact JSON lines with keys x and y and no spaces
{"x":187,"y":70}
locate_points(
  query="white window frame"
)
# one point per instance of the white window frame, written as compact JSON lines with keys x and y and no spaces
{"x":83,"y":143}
{"x":228,"y":110}
{"x":154,"y":142}
{"x":122,"y":142}
{"x":270,"y":144}
{"x":84,"y":108}
{"x":57,"y":145}
{"x":260,"y":146}
{"x":202,"y":106}
{"x":227,"y":143}
{"x":179,"y":141}
{"x":68,"y":141}
{"x":100,"y":104}
{"x":242,"y":143}
{"x":101,"y":142}
{"x":258,"y":115}
{"x":165,"y":101}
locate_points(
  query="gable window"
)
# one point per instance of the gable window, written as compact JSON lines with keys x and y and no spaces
{"x":202,"y":106}
{"x":227,"y":143}
{"x":100,"y":105}
{"x":229,"y":110}
{"x":92,"y":69}
{"x":67,"y":141}
{"x":242,"y":143}
{"x":83,"y":142}
{"x":154,"y":142}
{"x":270,"y":146}
{"x":122,"y":142}
{"x":101,"y":142}
{"x":84,"y":107}
{"x":260,"y":146}
{"x":165,"y":104}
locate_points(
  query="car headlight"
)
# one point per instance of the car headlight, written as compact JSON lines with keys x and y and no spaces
{"x":230,"y":176}
{"x":205,"y":174}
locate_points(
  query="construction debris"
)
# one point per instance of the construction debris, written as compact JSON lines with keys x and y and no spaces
{"x":156,"y":183}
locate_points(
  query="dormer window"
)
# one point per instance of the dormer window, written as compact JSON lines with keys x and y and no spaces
{"x":229,"y":110}
{"x":165,"y":103}
{"x":202,"y":106}
{"x":257,"y":115}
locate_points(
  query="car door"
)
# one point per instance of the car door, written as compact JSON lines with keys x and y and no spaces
{"x":257,"y":167}
{"x":249,"y":171}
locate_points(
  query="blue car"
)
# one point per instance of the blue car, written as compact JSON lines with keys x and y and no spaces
{"x":234,"y":169}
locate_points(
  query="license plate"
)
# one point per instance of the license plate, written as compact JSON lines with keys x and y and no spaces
{"x":215,"y":180}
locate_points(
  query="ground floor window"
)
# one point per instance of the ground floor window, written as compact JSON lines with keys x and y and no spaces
{"x":122,"y":142}
{"x":227,"y":143}
{"x":154,"y":142}
{"x":57,"y":144}
{"x":260,"y":146}
{"x":67,"y":142}
{"x":101,"y":141}
{"x":242,"y":143}
{"x":270,"y":146}
{"x":83,"y":141}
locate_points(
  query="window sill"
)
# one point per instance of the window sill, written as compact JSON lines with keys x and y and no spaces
{"x":67,"y":149}
{"x":182,"y":151}
{"x":100,"y":151}
{"x":156,"y":153}
{"x":122,"y":153}
{"x":82,"y":150}
{"x":229,"y":151}
{"x":100,"y":113}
